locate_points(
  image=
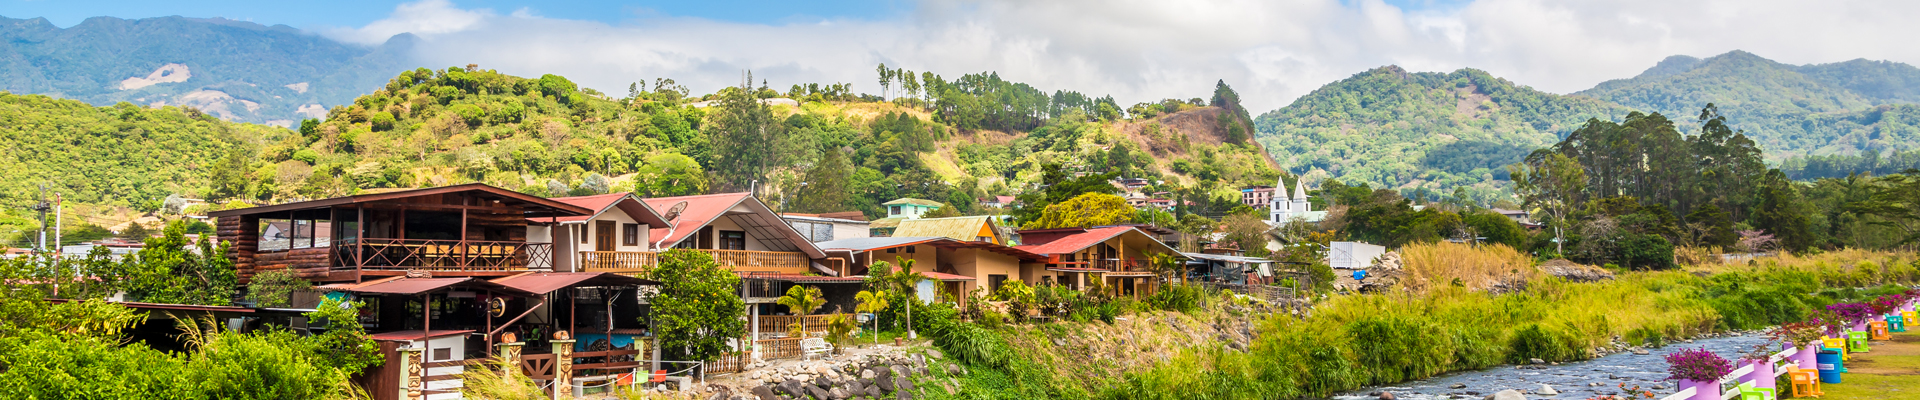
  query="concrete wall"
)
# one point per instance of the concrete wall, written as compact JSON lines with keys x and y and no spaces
{"x":1353,"y":255}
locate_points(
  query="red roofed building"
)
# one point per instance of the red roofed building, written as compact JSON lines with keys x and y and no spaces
{"x":620,"y":223}
{"x":1118,"y":257}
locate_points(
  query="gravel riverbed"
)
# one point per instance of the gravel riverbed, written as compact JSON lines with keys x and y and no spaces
{"x":1572,"y":380}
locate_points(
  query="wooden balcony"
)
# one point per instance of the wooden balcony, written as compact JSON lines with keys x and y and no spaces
{"x":737,"y":260}
{"x":438,"y":255}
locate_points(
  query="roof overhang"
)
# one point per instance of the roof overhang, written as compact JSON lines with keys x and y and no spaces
{"x":557,"y":208}
{"x":547,"y":282}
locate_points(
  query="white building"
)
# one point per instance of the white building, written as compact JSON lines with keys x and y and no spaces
{"x":1353,"y":255}
{"x":1287,"y":205}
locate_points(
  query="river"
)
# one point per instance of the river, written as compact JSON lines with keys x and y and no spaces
{"x":1574,"y":380}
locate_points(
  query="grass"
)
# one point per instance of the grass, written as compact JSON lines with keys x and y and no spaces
{"x":1357,"y":340}
{"x":1891,"y":370}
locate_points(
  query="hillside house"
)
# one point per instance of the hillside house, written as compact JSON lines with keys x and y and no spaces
{"x":619,"y":224}
{"x":830,"y":226}
{"x":1120,"y":257}
{"x":956,"y":267}
{"x":1256,"y":196}
{"x":471,"y":230}
{"x":910,"y":208}
{"x":997,"y":202}
{"x":980,"y":228}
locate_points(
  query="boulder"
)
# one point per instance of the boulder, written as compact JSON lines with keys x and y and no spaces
{"x":1386,"y":396}
{"x":935,"y":353}
{"x":1457,"y":386}
{"x":822,"y":381}
{"x":903,"y":384}
{"x":838,"y":394}
{"x":1574,"y":272}
{"x":953,"y":369}
{"x":874,"y":391}
{"x":1508,"y":394}
{"x":866,"y":374}
{"x":817,"y":392}
{"x":791,"y":388}
{"x":764,"y":392}
{"x":885,"y":384}
{"x":1546,"y":390}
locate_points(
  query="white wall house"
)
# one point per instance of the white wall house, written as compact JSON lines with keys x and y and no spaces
{"x":1353,"y":255}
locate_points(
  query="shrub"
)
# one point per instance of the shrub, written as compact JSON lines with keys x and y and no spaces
{"x":1696,"y":365}
{"x":1535,"y":341}
{"x":1181,"y":298}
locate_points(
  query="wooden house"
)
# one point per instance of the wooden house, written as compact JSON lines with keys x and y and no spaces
{"x":1120,"y":257}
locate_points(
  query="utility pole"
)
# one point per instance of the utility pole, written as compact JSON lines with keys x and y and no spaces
{"x":59,"y":247}
{"x":42,"y":207}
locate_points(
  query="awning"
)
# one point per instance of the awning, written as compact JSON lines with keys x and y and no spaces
{"x":547,"y":282}
{"x":796,"y":278}
{"x":946,"y":277}
{"x":417,"y":334}
{"x":424,"y":285}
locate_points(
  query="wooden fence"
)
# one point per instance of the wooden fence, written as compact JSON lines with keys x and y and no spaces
{"x":778,"y":323}
{"x":778,"y":348}
{"x":730,"y":363}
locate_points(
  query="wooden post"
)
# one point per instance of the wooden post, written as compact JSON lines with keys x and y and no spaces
{"x":359,"y":248}
{"x":411,"y":387}
{"x":511,"y":353}
{"x":562,"y":367}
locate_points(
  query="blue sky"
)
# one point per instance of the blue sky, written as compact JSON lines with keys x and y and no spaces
{"x":333,"y":13}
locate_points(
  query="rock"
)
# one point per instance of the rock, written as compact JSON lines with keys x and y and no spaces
{"x":764,"y":392}
{"x":953,"y":369}
{"x":935,"y":353}
{"x":791,"y":388}
{"x":919,"y":370}
{"x":1640,"y":352}
{"x":866,"y":374}
{"x":1508,"y":394}
{"x":1536,"y":361}
{"x":903,"y":395}
{"x":874,"y":391}
{"x":817,"y":392}
{"x":1386,"y":396}
{"x":903,"y":384}
{"x":1574,"y":272}
{"x":822,"y":381}
{"x":1458,"y":386}
{"x":838,"y":394}
{"x":1546,"y":390}
{"x":885,"y":384}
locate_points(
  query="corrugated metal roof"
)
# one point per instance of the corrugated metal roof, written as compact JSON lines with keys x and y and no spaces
{"x":874,"y":243}
{"x":914,"y":202}
{"x":1076,"y":242}
{"x":958,"y":228}
{"x":408,"y":285}
{"x":946,"y":277}
{"x":626,"y":202}
{"x":546,"y":282}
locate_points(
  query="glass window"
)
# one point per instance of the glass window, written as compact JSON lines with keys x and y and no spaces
{"x":733,"y":240}
{"x":630,"y":234}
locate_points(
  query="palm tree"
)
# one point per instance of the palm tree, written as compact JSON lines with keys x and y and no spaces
{"x":801,"y":300}
{"x":908,"y":279}
{"x":872,"y":302}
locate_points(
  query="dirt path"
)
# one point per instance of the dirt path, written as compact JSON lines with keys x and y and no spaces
{"x":1890,"y":371}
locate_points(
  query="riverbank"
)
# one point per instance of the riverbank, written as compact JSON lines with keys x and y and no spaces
{"x":1603,"y":376}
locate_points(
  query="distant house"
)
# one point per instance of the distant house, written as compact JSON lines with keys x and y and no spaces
{"x":955,"y":267}
{"x":997,"y":202}
{"x":1256,"y":196}
{"x":830,"y":226}
{"x":910,"y":207}
{"x":970,"y":229}
{"x":1353,"y":255}
{"x":1520,"y":216}
{"x":1117,"y":256}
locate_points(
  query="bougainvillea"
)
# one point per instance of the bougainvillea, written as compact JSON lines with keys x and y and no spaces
{"x":1852,"y":313}
{"x":1696,"y":365}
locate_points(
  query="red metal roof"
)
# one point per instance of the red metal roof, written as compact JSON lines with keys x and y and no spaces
{"x":1077,"y":242}
{"x":761,"y":222}
{"x":546,"y":282}
{"x":407,"y":336}
{"x":942,"y":276}
{"x":700,"y":211}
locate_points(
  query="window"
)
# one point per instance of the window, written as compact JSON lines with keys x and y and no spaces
{"x":733,"y":240}
{"x":994,"y":282}
{"x":910,"y":249}
{"x":630,"y":234}
{"x":893,"y":210}
{"x":583,"y":234}
{"x":891,"y":250}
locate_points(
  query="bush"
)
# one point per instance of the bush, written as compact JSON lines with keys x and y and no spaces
{"x":1547,"y":344}
{"x":1181,"y":298}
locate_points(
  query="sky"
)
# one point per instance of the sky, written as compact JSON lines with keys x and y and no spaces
{"x":1272,"y":52}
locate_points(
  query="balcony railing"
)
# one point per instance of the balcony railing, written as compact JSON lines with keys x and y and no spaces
{"x":472,"y":255}
{"x":1123,"y":265}
{"x":641,"y":261}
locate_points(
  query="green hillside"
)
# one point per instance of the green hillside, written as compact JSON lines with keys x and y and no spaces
{"x":1790,"y":110}
{"x":121,"y":155}
{"x":239,"y":71}
{"x":1407,"y":130}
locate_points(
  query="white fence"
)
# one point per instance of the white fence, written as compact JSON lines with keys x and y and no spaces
{"x":1774,"y":360}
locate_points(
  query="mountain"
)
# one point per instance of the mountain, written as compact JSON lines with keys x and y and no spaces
{"x":120,"y":155}
{"x":236,"y":70}
{"x":1396,"y":129}
{"x":1820,"y":109}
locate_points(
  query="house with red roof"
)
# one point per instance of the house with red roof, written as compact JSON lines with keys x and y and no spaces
{"x":619,"y":223}
{"x":1118,"y":258}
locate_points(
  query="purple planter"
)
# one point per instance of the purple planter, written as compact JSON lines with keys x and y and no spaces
{"x":1762,"y":375}
{"x":1702,"y":390}
{"x":1805,"y":358}
{"x":1860,"y":327}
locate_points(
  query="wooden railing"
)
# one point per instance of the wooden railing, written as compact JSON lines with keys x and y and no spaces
{"x":779,"y":323}
{"x":608,"y":359}
{"x":1123,"y":265}
{"x":729,"y":363}
{"x":778,"y":348}
{"x":437,"y":254}
{"x":640,"y":261}
{"x":618,"y":261}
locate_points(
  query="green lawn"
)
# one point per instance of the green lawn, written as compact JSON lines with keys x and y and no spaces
{"x":1890,"y":371}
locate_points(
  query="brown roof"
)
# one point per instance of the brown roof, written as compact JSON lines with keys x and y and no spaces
{"x":702,"y":210}
{"x":424,"y":285}
{"x":547,"y":282}
{"x":503,"y":195}
{"x":942,"y":276}
{"x":599,"y":204}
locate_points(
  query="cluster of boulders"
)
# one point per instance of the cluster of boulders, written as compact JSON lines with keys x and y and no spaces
{"x":1574,"y":272}
{"x":879,"y":376}
{"x":1387,"y":262}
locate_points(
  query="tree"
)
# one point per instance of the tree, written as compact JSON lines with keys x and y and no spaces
{"x":943,"y":212}
{"x":744,"y":130}
{"x":166,"y":271}
{"x":669,"y":174}
{"x":886,"y":79}
{"x":1779,"y":212}
{"x":275,"y":288}
{"x":1086,"y":210}
{"x":1895,"y":200}
{"x":872,"y":301}
{"x":1247,"y":232}
{"x":1551,"y":182}
{"x":696,"y":310}
{"x":828,"y":187}
{"x":801,"y":300}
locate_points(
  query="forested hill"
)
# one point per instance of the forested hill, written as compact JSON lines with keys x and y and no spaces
{"x":239,"y":71}
{"x":1410,"y":131}
{"x":122,"y":155}
{"x":1821,"y":109}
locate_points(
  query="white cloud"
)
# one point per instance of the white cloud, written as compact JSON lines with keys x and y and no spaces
{"x":1139,"y":50}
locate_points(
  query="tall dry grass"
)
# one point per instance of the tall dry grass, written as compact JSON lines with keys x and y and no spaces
{"x":1429,"y":266}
